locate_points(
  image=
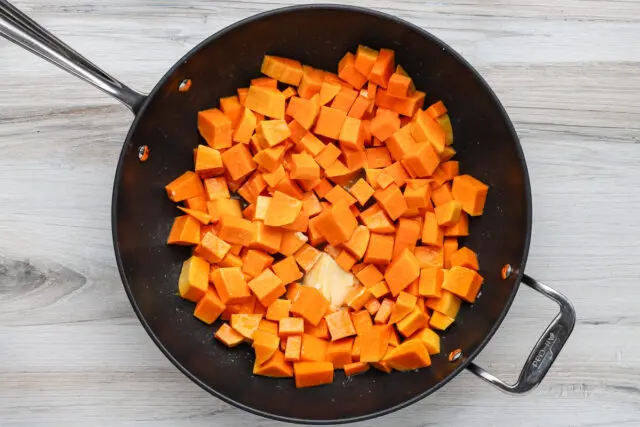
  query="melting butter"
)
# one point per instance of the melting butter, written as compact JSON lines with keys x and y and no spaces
{"x":330,"y":279}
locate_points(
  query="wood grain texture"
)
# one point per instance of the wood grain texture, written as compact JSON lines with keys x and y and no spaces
{"x":73,"y":353}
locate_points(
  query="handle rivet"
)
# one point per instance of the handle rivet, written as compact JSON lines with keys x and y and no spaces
{"x":184,"y":85}
{"x":143,"y":153}
{"x":455,"y":355}
{"x":506,"y":271}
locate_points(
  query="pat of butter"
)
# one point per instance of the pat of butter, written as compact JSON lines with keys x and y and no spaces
{"x":330,"y":279}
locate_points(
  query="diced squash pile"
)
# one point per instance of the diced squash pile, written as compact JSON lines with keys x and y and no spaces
{"x":304,"y":161}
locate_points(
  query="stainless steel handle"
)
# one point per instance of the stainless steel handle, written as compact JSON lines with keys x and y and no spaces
{"x":546,"y":349}
{"x":23,"y":31}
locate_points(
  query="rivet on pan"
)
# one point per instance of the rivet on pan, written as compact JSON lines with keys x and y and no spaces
{"x":143,"y":153}
{"x":455,"y":355}
{"x":506,"y":271}
{"x":184,"y":85}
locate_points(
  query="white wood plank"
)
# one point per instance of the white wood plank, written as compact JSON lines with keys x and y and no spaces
{"x":72,"y":351}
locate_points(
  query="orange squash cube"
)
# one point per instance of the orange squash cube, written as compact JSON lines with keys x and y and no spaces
{"x":361,"y":191}
{"x":184,"y":231}
{"x":352,"y":133}
{"x":310,"y":304}
{"x":465,"y":257}
{"x":293,"y":348}
{"x":339,"y":352}
{"x":365,"y":59}
{"x":238,"y":161}
{"x":266,"y":101}
{"x":255,"y":262}
{"x":448,"y":213}
{"x":426,"y":129}
{"x":357,"y":298}
{"x":429,"y":338}
{"x":392,"y":201}
{"x":184,"y":187}
{"x":374,"y":343}
{"x":215,"y":128}
{"x":376,"y":220}
{"x":212,"y":248}
{"x":194,"y":279}
{"x":279,"y":309}
{"x":340,"y":325}
{"x":380,"y":249}
{"x":289,"y":326}
{"x":358,"y":242}
{"x":417,"y":197}
{"x":246,"y":126}
{"x":310,"y":374}
{"x":221,"y":207}
{"x":276,"y":367}
{"x":283,"y":210}
{"x":440,"y":321}
{"x":265,"y":345}
{"x":430,"y":284}
{"x":307,"y":256}
{"x":470,"y":193}
{"x":216,"y":188}
{"x":449,"y":247}
{"x":344,"y":99}
{"x":380,"y":289}
{"x":287,"y":270}
{"x":330,"y":122}
{"x":209,"y":308}
{"x":407,"y":235}
{"x":361,"y":321}
{"x":327,"y":156}
{"x":348,"y":72}
{"x":337,"y":194}
{"x":285,"y":70}
{"x":246,"y":324}
{"x":313,"y":349}
{"x":399,"y":85}
{"x":448,"y":304}
{"x":273,"y":132}
{"x":304,"y":167}
{"x":408,"y":356}
{"x":414,"y":321}
{"x":312,"y":144}
{"x":328,"y":91}
{"x":267,"y":287}
{"x":237,"y":231}
{"x":208,"y":162}
{"x":355,"y":368}
{"x":311,"y":82}
{"x":463,"y":282}
{"x":422,"y":160}
{"x":337,"y":224}
{"x":431,"y":231}
{"x":231,"y":285}
{"x":228,"y":336}
{"x":383,"y":68}
{"x":369,"y":276}
{"x":266,"y":238}
{"x":402,"y":271}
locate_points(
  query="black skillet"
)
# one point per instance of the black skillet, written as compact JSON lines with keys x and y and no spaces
{"x":165,"y":121}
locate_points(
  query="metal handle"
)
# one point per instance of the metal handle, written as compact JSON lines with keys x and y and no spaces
{"x":546,"y":349}
{"x":23,"y":31}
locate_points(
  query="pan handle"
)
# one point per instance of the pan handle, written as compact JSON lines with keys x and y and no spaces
{"x":545,"y":351}
{"x":23,"y":31}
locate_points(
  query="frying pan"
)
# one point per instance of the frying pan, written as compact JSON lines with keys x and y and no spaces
{"x":165,"y":122}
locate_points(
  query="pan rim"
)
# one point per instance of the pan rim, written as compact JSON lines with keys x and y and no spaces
{"x":250,"y":20}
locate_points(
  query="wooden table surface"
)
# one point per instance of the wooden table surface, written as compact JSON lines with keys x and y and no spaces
{"x":72,"y":351}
